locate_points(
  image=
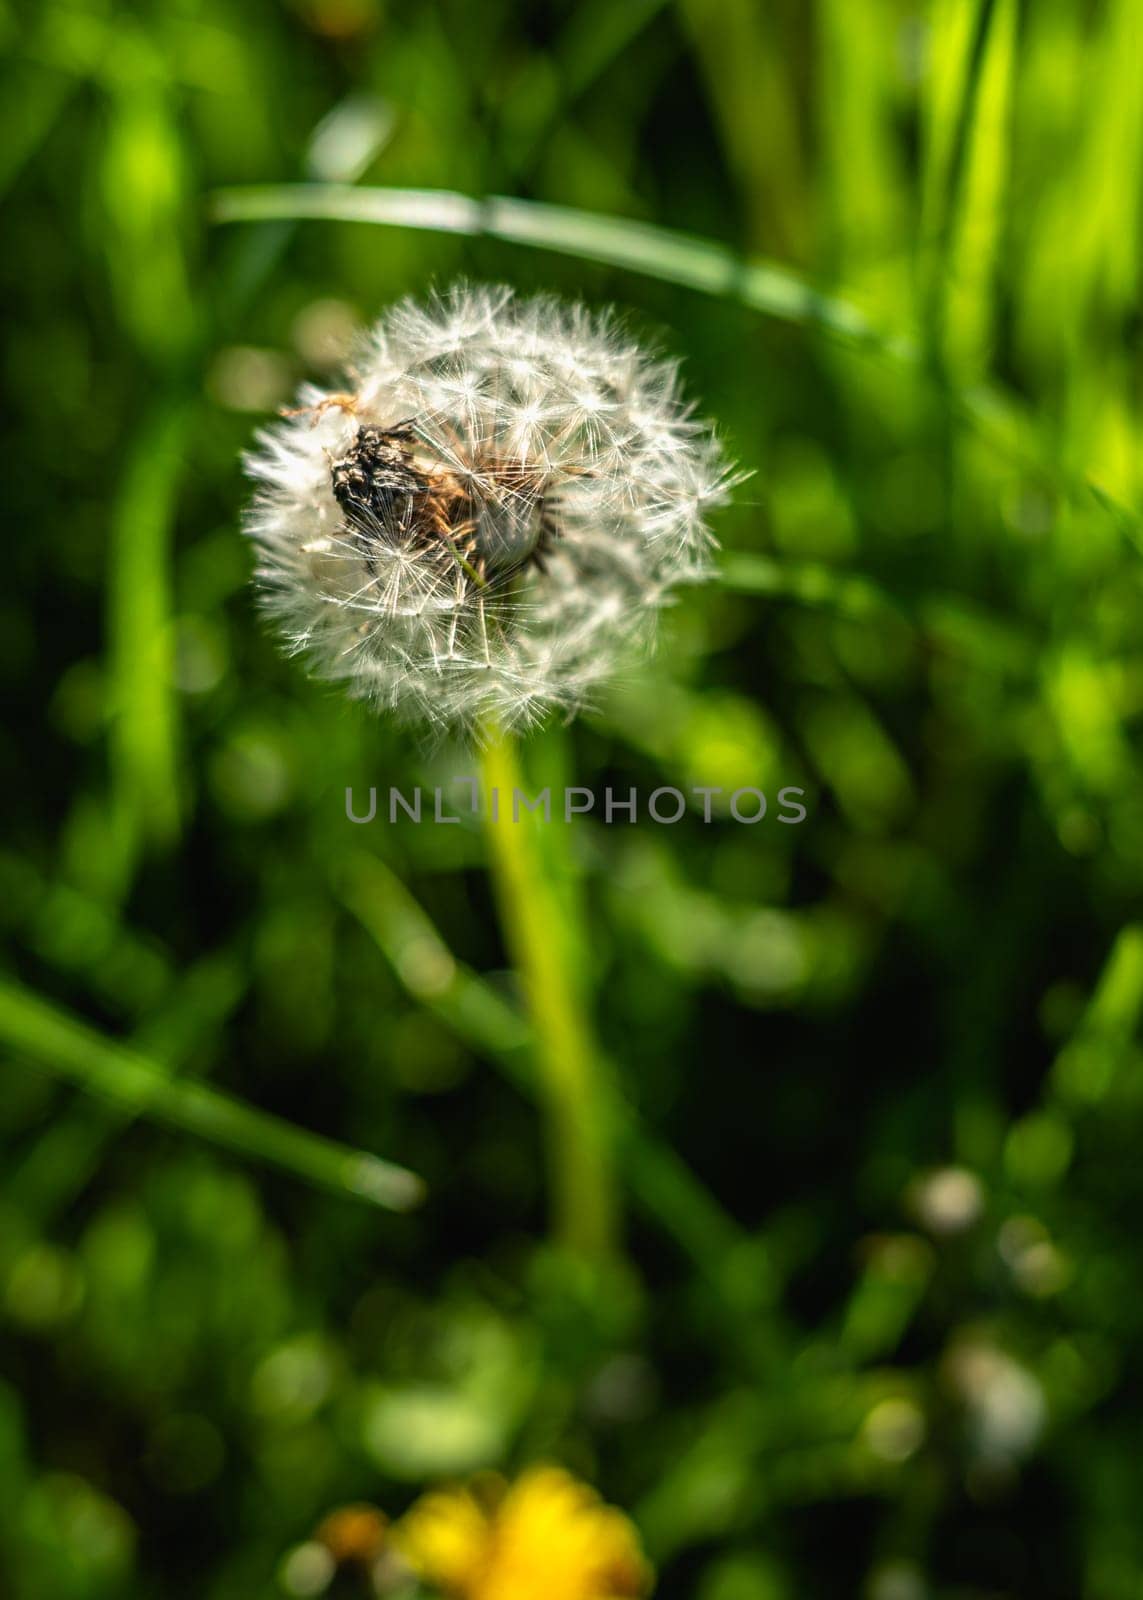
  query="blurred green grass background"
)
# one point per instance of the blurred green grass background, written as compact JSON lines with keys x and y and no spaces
{"x":876,"y":1326}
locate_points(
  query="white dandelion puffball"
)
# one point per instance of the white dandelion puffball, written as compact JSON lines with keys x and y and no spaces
{"x":480,"y":527}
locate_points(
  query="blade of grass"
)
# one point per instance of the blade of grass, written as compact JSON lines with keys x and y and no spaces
{"x":66,"y":1156}
{"x":671,"y":257}
{"x":595,"y":35}
{"x":1083,"y":243}
{"x":44,"y":1034}
{"x":339,"y":150}
{"x":863,"y":198}
{"x":1084,"y":1071}
{"x":741,"y":48}
{"x":144,"y":724}
{"x":614,"y":241}
{"x":976,"y":212}
{"x":1093,"y":281}
{"x":28,"y":114}
{"x":658,"y":1179}
{"x":958,"y":30}
{"x":812,"y":583}
{"x":143,"y":702}
{"x":468,"y":1006}
{"x":990,"y":640}
{"x":141,"y":173}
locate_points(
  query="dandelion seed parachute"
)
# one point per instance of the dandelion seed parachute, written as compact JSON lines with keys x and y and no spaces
{"x":483,"y":526}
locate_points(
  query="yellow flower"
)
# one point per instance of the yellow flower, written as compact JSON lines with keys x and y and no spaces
{"x":547,"y":1537}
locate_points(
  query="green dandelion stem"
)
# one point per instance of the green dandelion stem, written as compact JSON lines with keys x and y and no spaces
{"x":571,"y":1069}
{"x":658,"y":1180}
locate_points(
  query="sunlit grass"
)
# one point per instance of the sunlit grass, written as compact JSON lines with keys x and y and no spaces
{"x":865,"y":1092}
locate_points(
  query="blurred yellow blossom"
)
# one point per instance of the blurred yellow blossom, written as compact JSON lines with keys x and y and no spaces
{"x":545,"y":1537}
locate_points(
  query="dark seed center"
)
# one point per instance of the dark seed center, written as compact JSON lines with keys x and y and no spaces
{"x":499,"y":526}
{"x":376,"y":484}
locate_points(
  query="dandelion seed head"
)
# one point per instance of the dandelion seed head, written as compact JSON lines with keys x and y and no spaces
{"x":489,"y":518}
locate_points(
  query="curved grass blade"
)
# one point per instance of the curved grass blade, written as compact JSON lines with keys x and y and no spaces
{"x":48,"y":1036}
{"x":692,"y":263}
{"x":848,"y":594}
{"x":68,"y":1153}
{"x":612,"y":241}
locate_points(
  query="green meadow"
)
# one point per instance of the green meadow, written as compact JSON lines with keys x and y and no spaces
{"x":781,"y":1182}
